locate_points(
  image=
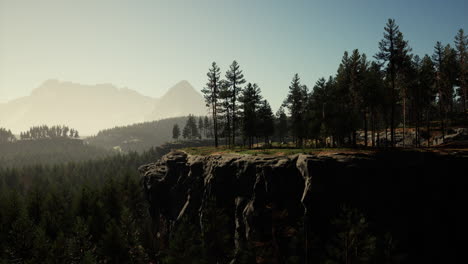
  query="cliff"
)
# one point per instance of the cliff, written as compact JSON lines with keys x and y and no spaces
{"x":281,"y":208}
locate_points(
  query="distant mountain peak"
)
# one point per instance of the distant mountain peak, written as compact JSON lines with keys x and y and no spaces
{"x":184,"y":83}
{"x":181,"y":99}
{"x":182,"y":88}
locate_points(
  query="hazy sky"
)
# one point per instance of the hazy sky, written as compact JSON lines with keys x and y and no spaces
{"x":150,"y":45}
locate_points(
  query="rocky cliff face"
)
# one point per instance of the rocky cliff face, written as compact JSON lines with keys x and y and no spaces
{"x":275,"y":202}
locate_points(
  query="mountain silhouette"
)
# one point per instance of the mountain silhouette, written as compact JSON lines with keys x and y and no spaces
{"x":180,"y":100}
{"x":90,"y":108}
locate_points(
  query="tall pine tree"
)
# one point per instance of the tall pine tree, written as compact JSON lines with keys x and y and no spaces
{"x":461,"y":45}
{"x":211,"y":94}
{"x":296,"y":103}
{"x":391,"y":52}
{"x":235,"y":79}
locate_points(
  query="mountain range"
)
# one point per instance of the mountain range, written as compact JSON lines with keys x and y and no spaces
{"x":90,"y":108}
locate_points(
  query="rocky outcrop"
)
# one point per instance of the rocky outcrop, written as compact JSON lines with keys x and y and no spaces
{"x":273,"y":201}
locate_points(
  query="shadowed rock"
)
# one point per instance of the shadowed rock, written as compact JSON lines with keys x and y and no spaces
{"x":272,"y":200}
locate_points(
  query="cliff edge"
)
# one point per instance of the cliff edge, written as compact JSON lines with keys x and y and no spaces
{"x":273,"y":202}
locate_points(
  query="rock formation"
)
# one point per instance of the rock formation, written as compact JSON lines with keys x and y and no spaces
{"x":273,"y":201}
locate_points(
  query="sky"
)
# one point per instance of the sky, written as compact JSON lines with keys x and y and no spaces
{"x":148,"y":46}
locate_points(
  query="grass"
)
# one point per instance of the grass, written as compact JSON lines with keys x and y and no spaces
{"x":286,"y":150}
{"x":274,"y":151}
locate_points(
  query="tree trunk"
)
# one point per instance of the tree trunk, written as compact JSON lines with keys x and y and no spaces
{"x":378,"y":139}
{"x":228,"y":129}
{"x":373,"y":128}
{"x":464,"y":95}
{"x":365,"y":128}
{"x":428,"y":129}
{"x":392,"y":113}
{"x":404,"y":118}
{"x":386,"y":136}
{"x":215,"y":125}
{"x":234,"y":116}
{"x":354,"y":138}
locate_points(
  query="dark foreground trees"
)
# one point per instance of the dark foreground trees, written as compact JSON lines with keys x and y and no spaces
{"x":87,"y":212}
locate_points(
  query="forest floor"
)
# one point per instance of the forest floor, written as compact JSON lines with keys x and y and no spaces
{"x":461,"y":148}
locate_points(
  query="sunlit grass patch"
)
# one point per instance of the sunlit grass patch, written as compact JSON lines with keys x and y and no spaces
{"x":274,"y":151}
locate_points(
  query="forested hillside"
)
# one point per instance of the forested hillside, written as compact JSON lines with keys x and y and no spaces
{"x":46,"y":151}
{"x":75,"y":213}
{"x":79,"y":212}
{"x":137,"y":137}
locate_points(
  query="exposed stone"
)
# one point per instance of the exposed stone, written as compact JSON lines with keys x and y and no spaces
{"x":270,"y":198}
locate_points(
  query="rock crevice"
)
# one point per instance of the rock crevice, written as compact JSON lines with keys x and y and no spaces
{"x":272,"y":201}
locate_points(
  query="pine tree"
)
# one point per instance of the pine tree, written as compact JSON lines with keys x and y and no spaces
{"x":428,"y":90}
{"x":352,"y":242}
{"x":207,"y":127}
{"x":113,"y":245}
{"x":342,"y":100}
{"x":21,"y":239}
{"x":175,"y":132}
{"x":190,"y":130}
{"x":224,"y":111}
{"x":211,"y":94}
{"x":446,"y":71}
{"x":250,"y":102}
{"x":358,"y":67}
{"x":266,"y":121}
{"x":79,"y":244}
{"x":375,"y":98}
{"x":6,"y":136}
{"x":200,"y":127}
{"x":131,"y":235}
{"x":296,"y":103}
{"x":404,"y":76}
{"x":65,"y":131}
{"x":84,"y":204}
{"x":461,"y":45}
{"x":235,"y":79}
{"x":392,"y":49}
{"x":437,"y":57}
{"x":186,"y":132}
{"x":317,"y":114}
{"x":41,"y":246}
{"x":281,"y":124}
{"x":59,"y":249}
{"x":217,"y":241}
{"x":450,"y":76}
{"x":185,"y":245}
